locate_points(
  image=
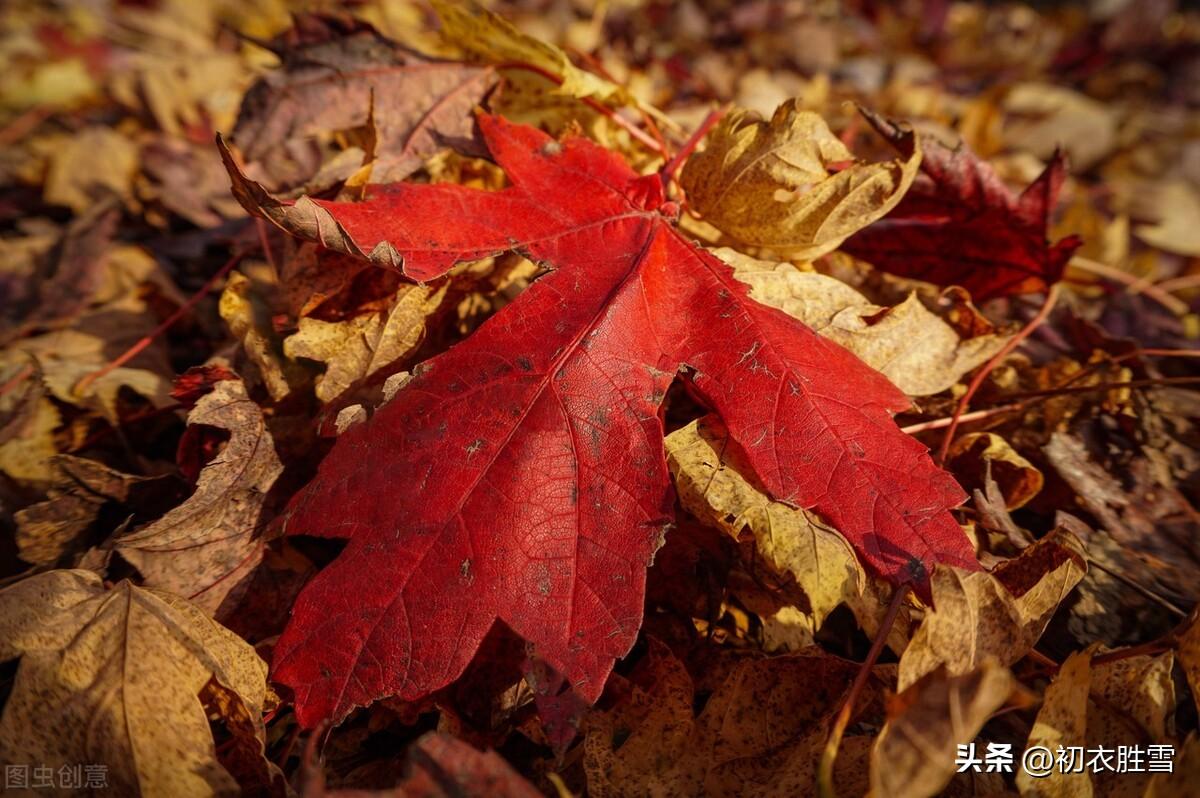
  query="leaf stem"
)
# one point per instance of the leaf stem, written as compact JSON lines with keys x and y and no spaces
{"x":133,"y":351}
{"x":829,"y":755}
{"x":982,"y":374}
{"x":672,"y":166}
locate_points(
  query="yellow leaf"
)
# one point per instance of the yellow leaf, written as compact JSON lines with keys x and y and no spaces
{"x":113,"y":677}
{"x":913,"y":757}
{"x":712,"y":488}
{"x":493,"y":39}
{"x":1062,"y":721}
{"x":206,"y":547}
{"x":770,"y":185}
{"x":920,"y":353}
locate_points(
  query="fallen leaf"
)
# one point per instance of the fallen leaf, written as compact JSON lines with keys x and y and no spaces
{"x":711,"y":487}
{"x":770,"y":184}
{"x":918,"y":352}
{"x":207,"y":547}
{"x":1062,"y":721}
{"x":78,"y":179}
{"x":492,"y":38}
{"x":1042,"y":118}
{"x":355,"y":348}
{"x":567,"y":439}
{"x":1185,"y":773}
{"x":331,"y":68}
{"x":28,"y":420}
{"x":1175,"y":208}
{"x":978,"y":455}
{"x":760,"y":733}
{"x":81,"y":489}
{"x":1001,"y":614}
{"x":114,"y":677}
{"x":913,"y":756}
{"x":960,"y":225}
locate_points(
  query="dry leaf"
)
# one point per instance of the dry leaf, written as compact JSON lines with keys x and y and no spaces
{"x":771,"y":185}
{"x":79,"y":179}
{"x":1062,"y":721}
{"x":492,"y":38}
{"x":913,"y":757}
{"x":356,"y":348}
{"x":920,"y":353}
{"x":712,"y":488}
{"x":206,"y":547}
{"x":1001,"y":614}
{"x":978,"y":454}
{"x":114,"y":678}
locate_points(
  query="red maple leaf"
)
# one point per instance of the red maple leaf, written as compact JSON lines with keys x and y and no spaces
{"x":521,"y":476}
{"x":960,"y":224}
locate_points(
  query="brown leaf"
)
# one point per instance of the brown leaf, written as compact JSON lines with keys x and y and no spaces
{"x":206,"y":547}
{"x":114,"y":678}
{"x":1062,"y":721}
{"x":1001,"y":614}
{"x":915,"y":751}
{"x":760,"y":733}
{"x":977,"y":455}
{"x":332,"y":67}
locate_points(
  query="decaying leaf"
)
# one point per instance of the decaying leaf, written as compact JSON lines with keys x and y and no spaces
{"x":485,"y":35}
{"x":920,"y":353}
{"x":81,"y":488}
{"x":355,"y":348}
{"x":336,"y":68}
{"x":913,"y":757}
{"x":1062,"y":721}
{"x":760,"y":733}
{"x":206,"y":547}
{"x":978,"y":455}
{"x":114,"y":677}
{"x":772,"y":185}
{"x":28,"y":420}
{"x":1000,"y":614}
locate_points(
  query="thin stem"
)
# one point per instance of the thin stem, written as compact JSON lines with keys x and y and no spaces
{"x":25,"y":373}
{"x":633,"y":130}
{"x":1134,"y":284}
{"x":982,"y":374}
{"x":710,"y":121}
{"x":133,"y":351}
{"x":1180,"y":283}
{"x":829,"y":755}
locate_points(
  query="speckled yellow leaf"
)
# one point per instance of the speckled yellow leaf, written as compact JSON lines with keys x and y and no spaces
{"x":113,"y":677}
{"x":977,"y":615}
{"x":1062,"y":721}
{"x":770,"y":184}
{"x":356,"y":348}
{"x":90,"y":166}
{"x":913,"y":756}
{"x":920,"y":353}
{"x":712,"y":488}
{"x":207,"y":547}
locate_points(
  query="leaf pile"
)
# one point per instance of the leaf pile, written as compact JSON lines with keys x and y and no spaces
{"x":540,"y":398}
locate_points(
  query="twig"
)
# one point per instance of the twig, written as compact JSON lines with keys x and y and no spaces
{"x":672,"y":166}
{"x":829,"y":755}
{"x":133,"y":351}
{"x":1134,"y":285}
{"x":982,"y":374}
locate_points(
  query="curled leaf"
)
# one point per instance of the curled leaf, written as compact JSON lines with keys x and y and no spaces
{"x":781,"y":184}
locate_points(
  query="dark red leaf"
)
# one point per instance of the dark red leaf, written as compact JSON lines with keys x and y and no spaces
{"x":960,"y":225}
{"x":520,"y":475}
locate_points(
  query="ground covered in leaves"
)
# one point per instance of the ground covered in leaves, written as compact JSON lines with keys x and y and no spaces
{"x":615,"y":399}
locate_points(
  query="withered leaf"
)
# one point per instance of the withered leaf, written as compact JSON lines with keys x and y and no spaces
{"x":206,"y":547}
{"x":1000,"y":614}
{"x":773,"y":184}
{"x":114,"y":677}
{"x":331,"y":69}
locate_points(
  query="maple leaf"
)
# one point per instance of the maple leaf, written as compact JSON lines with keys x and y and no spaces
{"x":960,"y":224}
{"x":521,"y":476}
{"x":334,"y":69}
{"x":116,"y":677}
